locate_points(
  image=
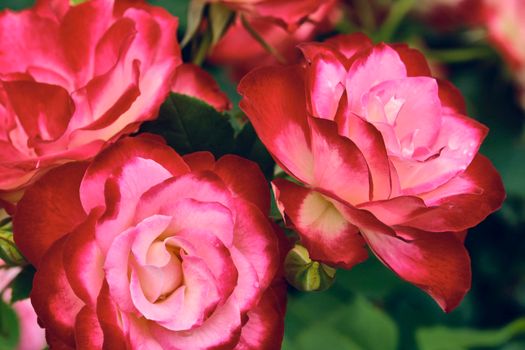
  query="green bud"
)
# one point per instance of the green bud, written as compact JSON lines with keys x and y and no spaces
{"x":307,"y":275}
{"x":9,"y":253}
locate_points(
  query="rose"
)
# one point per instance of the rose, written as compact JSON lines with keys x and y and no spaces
{"x":194,"y":81}
{"x":288,"y":13}
{"x":73,"y":79}
{"x":239,"y":49}
{"x":31,"y":336}
{"x":387,"y":156}
{"x":144,"y":249}
{"x":504,"y":21}
{"x":506,"y":29}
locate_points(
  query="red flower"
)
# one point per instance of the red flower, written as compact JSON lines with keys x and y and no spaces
{"x":387,"y":156}
{"x":241,"y":51}
{"x":144,"y":249}
{"x":73,"y":79}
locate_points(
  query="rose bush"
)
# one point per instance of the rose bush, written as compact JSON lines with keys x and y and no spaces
{"x":144,"y":249}
{"x":387,"y":157}
{"x":73,"y":79}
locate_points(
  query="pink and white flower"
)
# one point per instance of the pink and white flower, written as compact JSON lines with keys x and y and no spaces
{"x":387,"y":156}
{"x":142,"y":248}
{"x":75,"y":78}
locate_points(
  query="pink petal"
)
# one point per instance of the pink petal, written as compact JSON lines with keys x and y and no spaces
{"x":325,"y":79}
{"x":339,"y":166}
{"x":193,"y":81}
{"x":88,"y":334}
{"x":324,"y":231}
{"x":438,"y":263}
{"x":371,"y":67}
{"x":370,"y":141}
{"x":248,"y":184}
{"x":458,"y":141}
{"x":55,"y":302}
{"x":83,"y":261}
{"x":47,"y":117}
{"x":265,"y":327}
{"x":120,"y":154}
{"x":275,"y":97}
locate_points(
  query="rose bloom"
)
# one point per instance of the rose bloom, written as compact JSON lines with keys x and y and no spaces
{"x":144,"y":249}
{"x":73,"y":79}
{"x":239,"y":50}
{"x":505,"y":24}
{"x":387,"y":157}
{"x":31,"y":336}
{"x":288,"y":13}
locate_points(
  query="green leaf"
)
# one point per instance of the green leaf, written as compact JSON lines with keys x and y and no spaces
{"x":220,"y":18}
{"x":195,"y":13}
{"x":316,"y":338}
{"x":190,"y":125}
{"x":443,"y":338}
{"x":362,"y":322}
{"x":356,"y":323}
{"x":22,"y":284}
{"x":9,"y":327}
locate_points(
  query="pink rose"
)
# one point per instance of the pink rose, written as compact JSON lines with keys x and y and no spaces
{"x":505,"y":23}
{"x":31,"y":336}
{"x":241,"y":51}
{"x":387,"y":156}
{"x":73,"y":79}
{"x":144,"y":249}
{"x":194,"y":81}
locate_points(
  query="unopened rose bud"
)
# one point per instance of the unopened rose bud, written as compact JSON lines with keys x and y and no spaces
{"x":305,"y":274}
{"x":9,"y":253}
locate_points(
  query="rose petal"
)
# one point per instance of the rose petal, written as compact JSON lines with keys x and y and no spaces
{"x":275,"y":96}
{"x":324,"y":231}
{"x":49,"y":209}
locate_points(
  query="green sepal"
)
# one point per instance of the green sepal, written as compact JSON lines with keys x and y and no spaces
{"x":307,"y":275}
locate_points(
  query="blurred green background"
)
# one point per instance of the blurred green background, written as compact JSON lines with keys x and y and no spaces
{"x":368,"y":308}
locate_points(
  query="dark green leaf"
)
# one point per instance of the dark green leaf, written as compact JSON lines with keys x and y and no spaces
{"x":249,"y":146}
{"x":9,"y":327}
{"x":190,"y":125}
{"x":22,"y":284}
